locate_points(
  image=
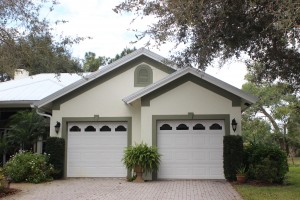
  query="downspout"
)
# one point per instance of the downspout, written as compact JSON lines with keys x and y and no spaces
{"x":39,"y":143}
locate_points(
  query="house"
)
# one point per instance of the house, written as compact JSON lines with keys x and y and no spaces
{"x":140,"y":98}
{"x":25,"y":90}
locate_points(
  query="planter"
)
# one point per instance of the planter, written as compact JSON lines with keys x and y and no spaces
{"x":139,"y":174}
{"x":241,"y":179}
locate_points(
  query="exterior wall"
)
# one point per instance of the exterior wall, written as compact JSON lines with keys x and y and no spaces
{"x":105,"y":100}
{"x":187,"y":98}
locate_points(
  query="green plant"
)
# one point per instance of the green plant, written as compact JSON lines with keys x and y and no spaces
{"x":28,"y":167}
{"x":233,"y":155}
{"x":141,"y":154}
{"x":241,"y":171}
{"x":266,"y":163}
{"x":55,"y":148}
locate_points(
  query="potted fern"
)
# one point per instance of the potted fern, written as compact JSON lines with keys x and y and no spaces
{"x":142,"y":159}
{"x":241,"y":173}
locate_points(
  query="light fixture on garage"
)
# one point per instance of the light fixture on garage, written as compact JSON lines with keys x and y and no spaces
{"x":57,"y":127}
{"x":233,"y":124}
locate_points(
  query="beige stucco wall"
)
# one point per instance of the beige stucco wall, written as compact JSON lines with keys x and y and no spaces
{"x":188,"y":97}
{"x":105,"y":100}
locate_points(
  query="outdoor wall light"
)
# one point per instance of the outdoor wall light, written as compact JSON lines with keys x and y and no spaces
{"x":57,"y":127}
{"x":233,"y":124}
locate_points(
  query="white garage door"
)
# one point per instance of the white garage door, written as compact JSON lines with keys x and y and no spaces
{"x":191,"y":149}
{"x":95,"y":149}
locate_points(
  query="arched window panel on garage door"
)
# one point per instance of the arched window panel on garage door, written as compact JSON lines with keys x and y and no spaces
{"x":165,"y":127}
{"x":90,"y":129}
{"x":105,"y":129}
{"x":120,"y":128}
{"x":199,"y":127}
{"x":182,"y":127}
{"x":215,"y":126}
{"x":75,"y":129}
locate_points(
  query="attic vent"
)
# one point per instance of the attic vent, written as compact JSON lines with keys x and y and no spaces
{"x":143,"y":76}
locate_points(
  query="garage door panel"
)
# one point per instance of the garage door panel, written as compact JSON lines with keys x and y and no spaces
{"x":96,"y":154}
{"x":192,"y":154}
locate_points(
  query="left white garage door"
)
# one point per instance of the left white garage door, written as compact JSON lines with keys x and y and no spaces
{"x":95,"y":149}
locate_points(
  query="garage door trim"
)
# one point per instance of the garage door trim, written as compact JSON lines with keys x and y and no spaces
{"x":96,"y":118}
{"x":189,"y":116}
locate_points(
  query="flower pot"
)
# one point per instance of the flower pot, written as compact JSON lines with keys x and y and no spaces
{"x":139,"y":174}
{"x":241,"y":178}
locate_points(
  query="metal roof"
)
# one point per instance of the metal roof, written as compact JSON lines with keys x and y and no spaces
{"x":102,"y":71}
{"x":200,"y":74}
{"x":34,"y":88}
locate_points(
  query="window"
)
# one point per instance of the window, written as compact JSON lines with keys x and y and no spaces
{"x":165,"y":127}
{"x":120,"y":128}
{"x":75,"y":129}
{"x":215,"y":127}
{"x":199,"y":127}
{"x":105,"y":129}
{"x":182,"y":127}
{"x":90,"y":129}
{"x":143,"y":76}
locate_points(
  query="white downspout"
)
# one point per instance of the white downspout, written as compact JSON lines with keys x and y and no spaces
{"x":39,"y":143}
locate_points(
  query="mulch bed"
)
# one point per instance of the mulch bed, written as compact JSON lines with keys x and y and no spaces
{"x":8,"y":191}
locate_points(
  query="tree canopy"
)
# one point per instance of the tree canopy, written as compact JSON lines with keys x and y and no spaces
{"x":266,"y":31}
{"x":27,"y":41}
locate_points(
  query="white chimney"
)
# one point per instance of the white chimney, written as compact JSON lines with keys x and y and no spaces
{"x":20,"y":73}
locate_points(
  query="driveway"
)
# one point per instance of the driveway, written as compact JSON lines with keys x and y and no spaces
{"x":116,"y":189}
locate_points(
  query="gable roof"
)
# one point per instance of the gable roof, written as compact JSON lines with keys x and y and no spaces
{"x":30,"y":89}
{"x":247,"y":98}
{"x":104,"y":70}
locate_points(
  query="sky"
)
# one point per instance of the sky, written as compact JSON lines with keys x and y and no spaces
{"x":110,"y":33}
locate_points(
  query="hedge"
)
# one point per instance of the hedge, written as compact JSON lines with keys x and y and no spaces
{"x":55,"y":147}
{"x":233,"y":155}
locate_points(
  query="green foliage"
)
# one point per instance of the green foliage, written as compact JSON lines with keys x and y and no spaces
{"x":232,"y":154}
{"x":141,"y":154}
{"x":241,"y":171}
{"x":91,"y":63}
{"x":266,"y":31}
{"x":27,"y":41}
{"x":25,"y":126}
{"x":266,"y":163}
{"x":55,"y":148}
{"x":122,"y":54}
{"x":28,"y":167}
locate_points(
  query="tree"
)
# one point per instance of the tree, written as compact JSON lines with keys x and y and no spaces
{"x":25,"y":128}
{"x":91,"y":63}
{"x":27,"y":42}
{"x":276,"y":103}
{"x":122,"y":54}
{"x":266,"y":31}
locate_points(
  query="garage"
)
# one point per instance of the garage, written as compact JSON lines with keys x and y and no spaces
{"x":191,"y":149}
{"x":95,"y":149}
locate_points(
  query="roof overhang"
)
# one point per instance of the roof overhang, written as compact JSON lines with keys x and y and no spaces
{"x":246,"y":98}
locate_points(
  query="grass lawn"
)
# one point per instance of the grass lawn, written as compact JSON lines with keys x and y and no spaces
{"x":286,"y":192}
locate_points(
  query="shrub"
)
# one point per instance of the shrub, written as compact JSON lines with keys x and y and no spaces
{"x":266,"y":163}
{"x":232,"y":154}
{"x":28,"y":167}
{"x":146,"y":157}
{"x":55,"y":148}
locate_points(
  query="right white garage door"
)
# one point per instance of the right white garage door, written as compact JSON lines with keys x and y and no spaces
{"x":191,"y":149}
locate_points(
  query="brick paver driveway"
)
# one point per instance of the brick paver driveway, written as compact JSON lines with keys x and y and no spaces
{"x":119,"y":189}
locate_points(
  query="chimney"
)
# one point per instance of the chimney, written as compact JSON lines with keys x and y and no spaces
{"x":20,"y":73}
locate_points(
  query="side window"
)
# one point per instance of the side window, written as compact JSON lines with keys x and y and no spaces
{"x":105,"y":129}
{"x":199,"y":127}
{"x":215,"y":127}
{"x":120,"y":128}
{"x":143,"y":76}
{"x":165,"y":127}
{"x":75,"y":129}
{"x":90,"y":129}
{"x":182,"y":127}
